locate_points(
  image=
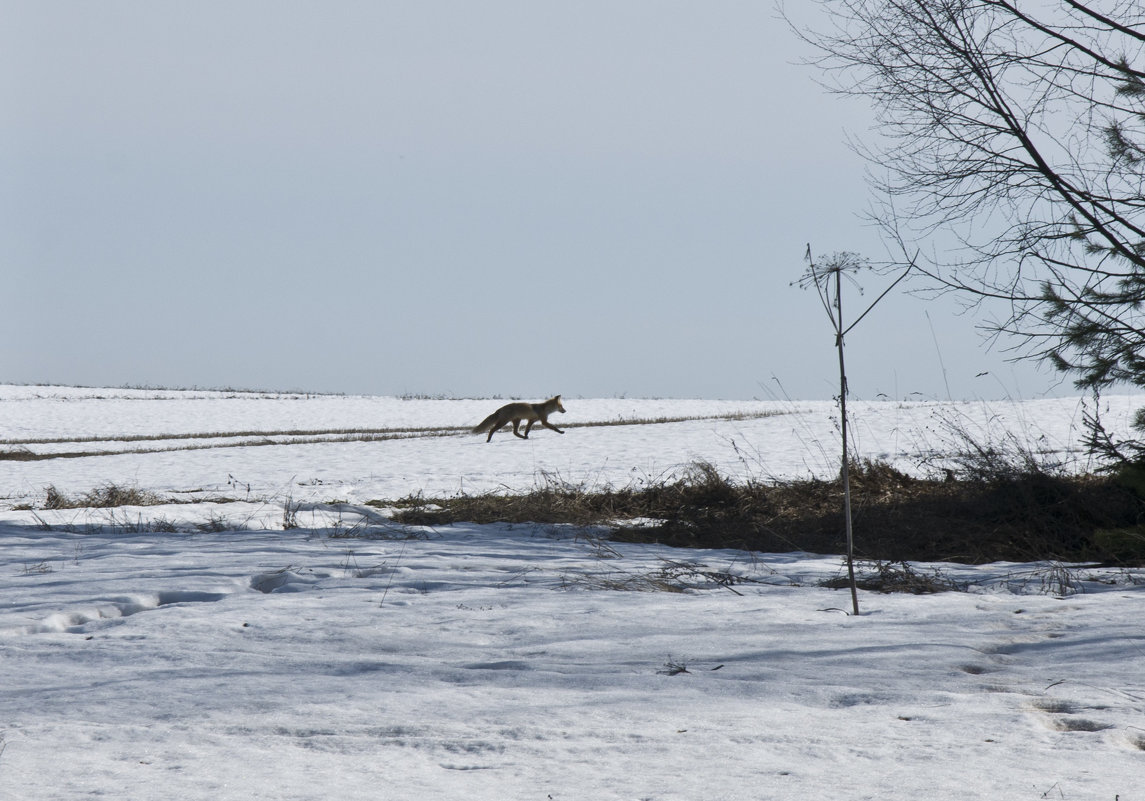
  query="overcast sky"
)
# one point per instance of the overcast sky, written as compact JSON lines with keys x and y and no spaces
{"x":460,"y":198}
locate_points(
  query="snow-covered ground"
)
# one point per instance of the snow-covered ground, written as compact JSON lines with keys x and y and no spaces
{"x":159,"y":440}
{"x":202,"y":651}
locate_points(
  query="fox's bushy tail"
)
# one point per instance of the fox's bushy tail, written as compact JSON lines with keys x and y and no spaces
{"x":484,"y":425}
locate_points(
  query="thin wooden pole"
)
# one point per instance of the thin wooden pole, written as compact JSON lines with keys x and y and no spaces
{"x":846,"y":469}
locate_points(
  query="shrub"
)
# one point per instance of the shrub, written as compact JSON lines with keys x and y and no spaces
{"x":1124,"y":545}
{"x":104,"y":497}
{"x":1015,"y":516}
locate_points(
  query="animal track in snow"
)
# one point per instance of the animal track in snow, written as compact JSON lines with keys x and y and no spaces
{"x":1077,"y":724}
{"x":285,"y":580}
{"x":1063,"y":715}
{"x":82,"y":618}
{"x":1035,"y":638}
{"x":114,"y":610}
{"x":974,"y":670}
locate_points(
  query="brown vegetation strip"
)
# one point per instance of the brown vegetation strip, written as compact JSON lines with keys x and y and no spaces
{"x":1019,"y":518}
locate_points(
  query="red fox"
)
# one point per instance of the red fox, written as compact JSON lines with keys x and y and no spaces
{"x":516,"y":412}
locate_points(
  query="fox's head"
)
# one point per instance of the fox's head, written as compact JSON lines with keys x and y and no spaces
{"x":560,"y":406}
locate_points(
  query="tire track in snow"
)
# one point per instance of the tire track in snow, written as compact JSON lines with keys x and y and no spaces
{"x":74,"y":448}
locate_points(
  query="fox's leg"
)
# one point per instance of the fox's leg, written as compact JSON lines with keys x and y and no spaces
{"x":547,"y":424}
{"x":495,"y":429}
{"x":516,"y":425}
{"x":529,"y":428}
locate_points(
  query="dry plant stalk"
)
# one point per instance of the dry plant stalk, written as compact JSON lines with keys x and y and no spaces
{"x":822,"y":279}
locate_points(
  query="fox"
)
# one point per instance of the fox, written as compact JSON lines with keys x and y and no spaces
{"x":516,"y":412}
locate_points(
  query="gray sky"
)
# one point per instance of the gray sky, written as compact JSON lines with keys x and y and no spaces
{"x":463,"y":198}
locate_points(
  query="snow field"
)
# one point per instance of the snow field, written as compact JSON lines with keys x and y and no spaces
{"x":503,"y":662}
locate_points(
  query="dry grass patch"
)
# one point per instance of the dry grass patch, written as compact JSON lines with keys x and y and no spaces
{"x":1019,"y":517}
{"x":106,"y":496}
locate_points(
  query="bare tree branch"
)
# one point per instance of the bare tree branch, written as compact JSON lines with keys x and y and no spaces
{"x":1011,"y":149}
